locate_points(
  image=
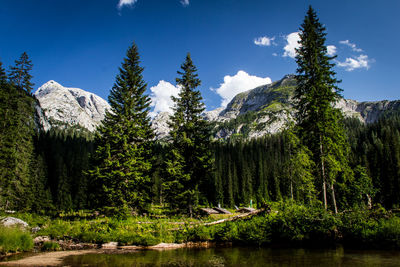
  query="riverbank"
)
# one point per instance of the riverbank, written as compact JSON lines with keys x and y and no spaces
{"x":47,"y":258}
{"x":288,"y":224}
{"x":55,"y":258}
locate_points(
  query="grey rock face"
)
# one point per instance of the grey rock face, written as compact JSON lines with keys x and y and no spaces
{"x":70,"y":106}
{"x":41,"y":122}
{"x":160,"y":125}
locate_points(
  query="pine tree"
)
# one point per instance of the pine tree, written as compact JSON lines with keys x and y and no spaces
{"x":20,"y":73}
{"x":299,"y":168}
{"x":3,"y":75}
{"x":123,"y":159}
{"x":316,"y":93}
{"x":190,"y":161}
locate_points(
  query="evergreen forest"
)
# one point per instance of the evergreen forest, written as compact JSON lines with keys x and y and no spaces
{"x":321,"y":160}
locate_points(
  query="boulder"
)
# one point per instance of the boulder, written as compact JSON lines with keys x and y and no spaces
{"x":11,"y":221}
{"x":110,"y":245}
{"x":35,"y":229}
{"x":41,"y":239}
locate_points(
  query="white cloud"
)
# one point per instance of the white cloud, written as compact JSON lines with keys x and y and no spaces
{"x":126,"y":3}
{"x":292,"y":43}
{"x":351,"y":45}
{"x":331,"y":50}
{"x":264,"y":41}
{"x":275,"y":54}
{"x":362,"y":61}
{"x":161,"y":97}
{"x":185,"y":2}
{"x":238,"y":83}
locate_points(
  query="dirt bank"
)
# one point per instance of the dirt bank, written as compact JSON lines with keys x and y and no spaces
{"x":47,"y":258}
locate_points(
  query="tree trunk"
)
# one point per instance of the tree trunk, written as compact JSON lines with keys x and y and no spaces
{"x":321,"y":150}
{"x":291,"y":173}
{"x":369,"y":201}
{"x":291,"y":189}
{"x":333,"y":198}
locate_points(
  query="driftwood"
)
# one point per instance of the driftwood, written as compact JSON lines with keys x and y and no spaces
{"x":231,"y":219}
{"x":245,"y":210}
{"x":222,"y":211}
{"x":240,"y":216}
{"x":209,"y":211}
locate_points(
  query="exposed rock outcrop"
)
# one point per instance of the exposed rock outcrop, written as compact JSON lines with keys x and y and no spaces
{"x":70,"y":106}
{"x":11,"y":221}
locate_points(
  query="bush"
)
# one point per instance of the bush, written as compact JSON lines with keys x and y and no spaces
{"x":50,"y":246}
{"x":14,"y":240}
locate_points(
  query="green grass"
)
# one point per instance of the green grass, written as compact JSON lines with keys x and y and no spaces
{"x":288,"y":223}
{"x":14,"y":240}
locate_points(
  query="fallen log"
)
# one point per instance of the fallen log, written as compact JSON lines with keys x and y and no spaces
{"x":231,"y":219}
{"x":237,"y":217}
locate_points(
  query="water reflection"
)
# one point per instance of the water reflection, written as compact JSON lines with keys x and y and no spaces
{"x":241,"y":257}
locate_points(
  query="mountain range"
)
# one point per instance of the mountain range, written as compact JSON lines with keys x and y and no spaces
{"x":254,"y":113}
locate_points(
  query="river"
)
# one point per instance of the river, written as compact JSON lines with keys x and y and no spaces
{"x":240,"y":256}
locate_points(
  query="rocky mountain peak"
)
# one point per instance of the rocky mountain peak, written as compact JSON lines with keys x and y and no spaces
{"x":47,"y":88}
{"x":71,"y":106}
{"x":254,"y":113}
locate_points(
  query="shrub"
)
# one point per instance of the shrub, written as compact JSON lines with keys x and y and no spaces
{"x":50,"y":246}
{"x":14,"y":240}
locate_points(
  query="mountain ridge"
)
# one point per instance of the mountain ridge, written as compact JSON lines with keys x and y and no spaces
{"x":263,"y":110}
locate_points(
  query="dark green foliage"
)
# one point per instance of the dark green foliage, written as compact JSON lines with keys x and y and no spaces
{"x":20,"y":73}
{"x":377,"y":147}
{"x":189,"y":163}
{"x":66,"y":156}
{"x":16,"y":143}
{"x":318,"y":120}
{"x":250,"y":171}
{"x":123,"y":158}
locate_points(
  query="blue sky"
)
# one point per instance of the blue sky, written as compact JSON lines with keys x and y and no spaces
{"x":236,"y":44}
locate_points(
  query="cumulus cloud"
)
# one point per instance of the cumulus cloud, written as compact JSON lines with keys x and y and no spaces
{"x":264,"y":41}
{"x":126,"y":3}
{"x":292,"y":43}
{"x":185,"y":2}
{"x":351,"y":45}
{"x":238,"y":83}
{"x":275,"y":54}
{"x":161,"y":97}
{"x":362,"y":61}
{"x":331,"y":50}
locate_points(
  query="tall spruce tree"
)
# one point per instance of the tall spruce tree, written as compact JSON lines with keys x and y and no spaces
{"x":16,"y":140}
{"x":123,"y":159}
{"x":319,"y":121}
{"x":190,"y":161}
{"x":20,"y":73}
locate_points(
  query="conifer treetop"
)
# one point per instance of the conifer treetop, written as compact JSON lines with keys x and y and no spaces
{"x":20,"y":73}
{"x":3,"y":75}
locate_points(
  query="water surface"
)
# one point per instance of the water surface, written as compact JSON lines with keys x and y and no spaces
{"x":241,"y":257}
